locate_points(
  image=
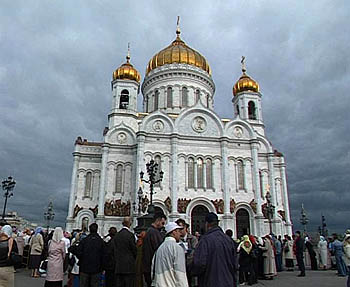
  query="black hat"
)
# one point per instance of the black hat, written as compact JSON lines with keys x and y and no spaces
{"x":211,"y":217}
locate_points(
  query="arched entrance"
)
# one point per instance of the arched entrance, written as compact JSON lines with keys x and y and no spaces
{"x":158,"y":209}
{"x":198,"y":219}
{"x":242,"y":223}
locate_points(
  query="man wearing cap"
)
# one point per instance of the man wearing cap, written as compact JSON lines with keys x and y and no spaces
{"x":215,"y":256}
{"x":169,"y":265}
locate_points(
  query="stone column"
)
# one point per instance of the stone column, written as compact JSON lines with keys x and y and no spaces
{"x":272,"y":190}
{"x":285,"y":197}
{"x":227,"y":218}
{"x":174,"y":143}
{"x":73,"y":187}
{"x":204,"y":174}
{"x":138,"y":165}
{"x":195,"y":173}
{"x":244,"y":177}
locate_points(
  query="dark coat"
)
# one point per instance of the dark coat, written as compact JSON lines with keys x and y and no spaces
{"x":150,"y":245}
{"x":299,"y":246}
{"x":124,"y":252}
{"x":90,"y":251}
{"x":215,"y":260}
{"x":245,"y":260}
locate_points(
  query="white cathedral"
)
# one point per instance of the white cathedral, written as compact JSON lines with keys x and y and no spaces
{"x":210,"y":164}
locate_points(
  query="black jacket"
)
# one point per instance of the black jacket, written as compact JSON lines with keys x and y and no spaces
{"x":90,"y":251}
{"x":150,"y":245}
{"x":124,"y":252}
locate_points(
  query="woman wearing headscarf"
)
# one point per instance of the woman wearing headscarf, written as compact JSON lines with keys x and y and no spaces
{"x":56,"y":254}
{"x":7,"y":245}
{"x":246,"y":270}
{"x":323,"y":249}
{"x":36,"y":248}
{"x":288,"y":252}
{"x":269,"y":258}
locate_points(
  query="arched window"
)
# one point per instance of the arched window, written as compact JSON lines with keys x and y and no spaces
{"x":198,"y":95}
{"x":251,"y":110}
{"x":240,"y":174}
{"x":124,"y":100}
{"x":146,"y":102}
{"x":184,"y":97}
{"x":209,"y":173}
{"x":158,"y":161}
{"x":85,"y":224}
{"x":237,"y":109}
{"x":88,"y":184}
{"x":207,"y":101}
{"x":169,"y":98}
{"x":190,"y":172}
{"x":200,"y":181}
{"x":119,"y":179}
{"x":156,"y":100}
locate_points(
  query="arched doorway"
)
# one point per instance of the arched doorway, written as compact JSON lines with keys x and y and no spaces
{"x":198,"y":219}
{"x":242,"y":223}
{"x":158,"y":210}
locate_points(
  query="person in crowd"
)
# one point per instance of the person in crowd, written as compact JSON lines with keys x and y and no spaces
{"x":7,"y":245}
{"x":20,"y":242}
{"x":56,"y":255}
{"x":269,"y":258}
{"x":109,"y":261}
{"x":36,"y":249}
{"x":346,"y":246}
{"x":288,"y":252}
{"x":215,"y":259}
{"x":323,"y":252}
{"x":169,"y":262}
{"x":151,"y":243}
{"x":198,"y":235}
{"x":125,"y":255}
{"x":139,"y":266}
{"x":278,"y":248}
{"x":246,"y":271}
{"x":299,"y":247}
{"x":67,"y":243}
{"x":90,"y":253}
{"x":260,"y":244}
{"x":255,"y":252}
{"x":337,"y":248}
{"x":188,"y":242}
{"x":73,"y":275}
{"x":312,"y":254}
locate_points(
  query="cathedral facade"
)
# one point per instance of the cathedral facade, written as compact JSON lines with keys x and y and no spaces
{"x":210,"y":164}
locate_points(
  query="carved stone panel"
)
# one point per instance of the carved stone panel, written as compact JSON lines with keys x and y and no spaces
{"x":167,"y":203}
{"x":117,"y":208}
{"x":199,"y":124}
{"x":253,"y":205}
{"x":219,"y":205}
{"x":232,"y":205}
{"x":77,"y":208}
{"x":283,"y":214}
{"x":182,"y":204}
{"x":94,"y":210}
{"x":158,"y":126}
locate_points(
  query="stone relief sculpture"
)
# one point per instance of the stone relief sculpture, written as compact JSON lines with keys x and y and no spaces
{"x":144,"y":204}
{"x":264,"y":210}
{"x":253,"y":205}
{"x":238,"y":132}
{"x":167,"y":203}
{"x":117,"y":208}
{"x":232,"y":205}
{"x":182,"y":204}
{"x":94,"y":210}
{"x":199,"y":124}
{"x":77,"y":208}
{"x":122,"y":138}
{"x":158,"y":126}
{"x":219,"y":205}
{"x":283,"y":214}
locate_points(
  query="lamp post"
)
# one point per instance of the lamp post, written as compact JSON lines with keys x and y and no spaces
{"x":49,"y":215}
{"x":303,"y":219}
{"x":139,"y":195}
{"x":8,"y":185}
{"x":270,"y":209}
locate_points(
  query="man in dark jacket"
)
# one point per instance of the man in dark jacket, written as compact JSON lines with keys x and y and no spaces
{"x":125,"y":255}
{"x":299,"y":253}
{"x":90,"y":252}
{"x":215,"y":257}
{"x":150,"y":244}
{"x":109,"y":262}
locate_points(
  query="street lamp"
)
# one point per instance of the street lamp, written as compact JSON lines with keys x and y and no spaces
{"x":270,"y":209}
{"x":8,"y":185}
{"x":303,"y":219}
{"x":139,"y":195}
{"x":49,"y":215}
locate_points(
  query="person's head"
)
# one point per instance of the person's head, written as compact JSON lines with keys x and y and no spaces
{"x":57,"y":234}
{"x":229,"y":233}
{"x":197,"y":234}
{"x":183,"y":224}
{"x":335,"y":236}
{"x":127,"y":221}
{"x":173,"y":230}
{"x":112,"y":232}
{"x":6,"y":231}
{"x":211,"y":220}
{"x":297,"y":233}
{"x":159,"y":220}
{"x":93,"y":227}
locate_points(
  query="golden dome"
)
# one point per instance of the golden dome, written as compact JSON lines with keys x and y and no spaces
{"x":178,"y":52}
{"x":245,"y":83}
{"x":127,"y":71}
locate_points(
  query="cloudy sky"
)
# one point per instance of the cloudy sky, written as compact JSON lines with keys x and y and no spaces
{"x":56,"y":64}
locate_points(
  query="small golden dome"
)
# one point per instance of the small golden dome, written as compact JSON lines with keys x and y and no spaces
{"x":245,"y":83}
{"x":178,"y":52}
{"x":127,"y":71}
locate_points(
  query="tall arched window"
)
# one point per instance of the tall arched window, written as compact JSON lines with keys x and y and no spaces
{"x":240,"y":174}
{"x":251,"y":110}
{"x":198,"y":95}
{"x":169,"y":98}
{"x":190,"y":172}
{"x":156,"y":100}
{"x":88,"y":184}
{"x":119,"y":179}
{"x":146,"y":100}
{"x":184,"y":97}
{"x":237,"y":109}
{"x":158,"y":161}
{"x":209,"y":173}
{"x":124,"y":100}
{"x":85,"y":224}
{"x":207,"y":101}
{"x":200,"y":181}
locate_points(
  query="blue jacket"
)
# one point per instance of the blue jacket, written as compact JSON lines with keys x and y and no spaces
{"x":215,"y":260}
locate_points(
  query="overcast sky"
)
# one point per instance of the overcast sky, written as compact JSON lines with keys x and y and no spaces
{"x":56,"y":64}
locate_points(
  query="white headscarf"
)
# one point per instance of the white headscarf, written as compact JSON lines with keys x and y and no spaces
{"x":57,"y":234}
{"x":6,"y":229}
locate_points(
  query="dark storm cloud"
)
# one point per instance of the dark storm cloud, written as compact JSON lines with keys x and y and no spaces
{"x":56,"y":61}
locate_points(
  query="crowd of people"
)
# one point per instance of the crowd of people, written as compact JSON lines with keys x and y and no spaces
{"x":165,"y":255}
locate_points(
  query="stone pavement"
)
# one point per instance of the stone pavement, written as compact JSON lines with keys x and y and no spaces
{"x":284,"y":279}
